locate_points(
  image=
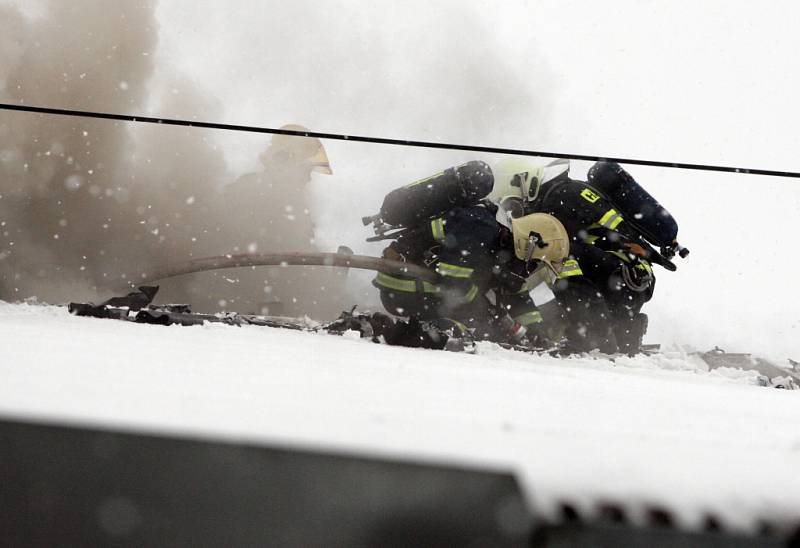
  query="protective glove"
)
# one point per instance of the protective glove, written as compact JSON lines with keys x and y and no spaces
{"x":511,"y":331}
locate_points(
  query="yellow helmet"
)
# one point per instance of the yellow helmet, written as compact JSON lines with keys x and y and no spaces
{"x":540,"y":237}
{"x":308,"y":150}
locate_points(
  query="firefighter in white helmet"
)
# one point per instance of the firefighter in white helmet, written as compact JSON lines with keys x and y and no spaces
{"x":484,"y":256}
{"x":607,"y":277}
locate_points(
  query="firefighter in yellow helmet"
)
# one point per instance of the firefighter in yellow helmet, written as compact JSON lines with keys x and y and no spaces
{"x":270,"y":211}
{"x":484,"y":257}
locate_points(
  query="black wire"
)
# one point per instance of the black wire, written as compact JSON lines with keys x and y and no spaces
{"x":397,"y":142}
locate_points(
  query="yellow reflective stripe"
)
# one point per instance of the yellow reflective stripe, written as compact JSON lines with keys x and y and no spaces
{"x":390,"y":282}
{"x":437,"y":229}
{"x":611,"y":219}
{"x":607,"y":217}
{"x":570,"y":268}
{"x":461,"y":326}
{"x":454,"y":271}
{"x":529,"y":318}
{"x":621,"y":255}
{"x":471,"y":294}
{"x":591,"y":239}
{"x":399,"y":284}
{"x":643,"y":265}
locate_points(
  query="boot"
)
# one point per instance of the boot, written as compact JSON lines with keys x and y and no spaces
{"x":630,"y":333}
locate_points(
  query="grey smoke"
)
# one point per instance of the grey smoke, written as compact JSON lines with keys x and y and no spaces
{"x":69,"y":194}
{"x":84,"y":202}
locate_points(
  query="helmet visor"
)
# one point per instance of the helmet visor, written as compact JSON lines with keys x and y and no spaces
{"x":513,"y":206}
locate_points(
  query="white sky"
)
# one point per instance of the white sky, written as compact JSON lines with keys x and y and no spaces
{"x":711,"y":81}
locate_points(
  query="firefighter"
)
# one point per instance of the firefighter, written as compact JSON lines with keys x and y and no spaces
{"x":270,"y":211}
{"x":483,"y":257}
{"x":606,"y":279}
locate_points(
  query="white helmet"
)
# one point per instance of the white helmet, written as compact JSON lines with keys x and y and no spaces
{"x":514,"y":176}
{"x":517,"y":181}
{"x":557,"y":169}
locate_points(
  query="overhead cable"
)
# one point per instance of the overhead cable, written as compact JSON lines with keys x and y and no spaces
{"x":395,"y":142}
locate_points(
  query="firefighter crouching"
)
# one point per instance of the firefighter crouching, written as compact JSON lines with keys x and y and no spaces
{"x":610,"y":220}
{"x":482,"y":255}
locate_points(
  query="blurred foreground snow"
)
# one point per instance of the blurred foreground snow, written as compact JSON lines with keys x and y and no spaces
{"x":657,"y":430}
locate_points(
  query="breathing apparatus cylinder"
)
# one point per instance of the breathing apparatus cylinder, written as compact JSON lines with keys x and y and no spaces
{"x":416,"y":202}
{"x":640,"y":209}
